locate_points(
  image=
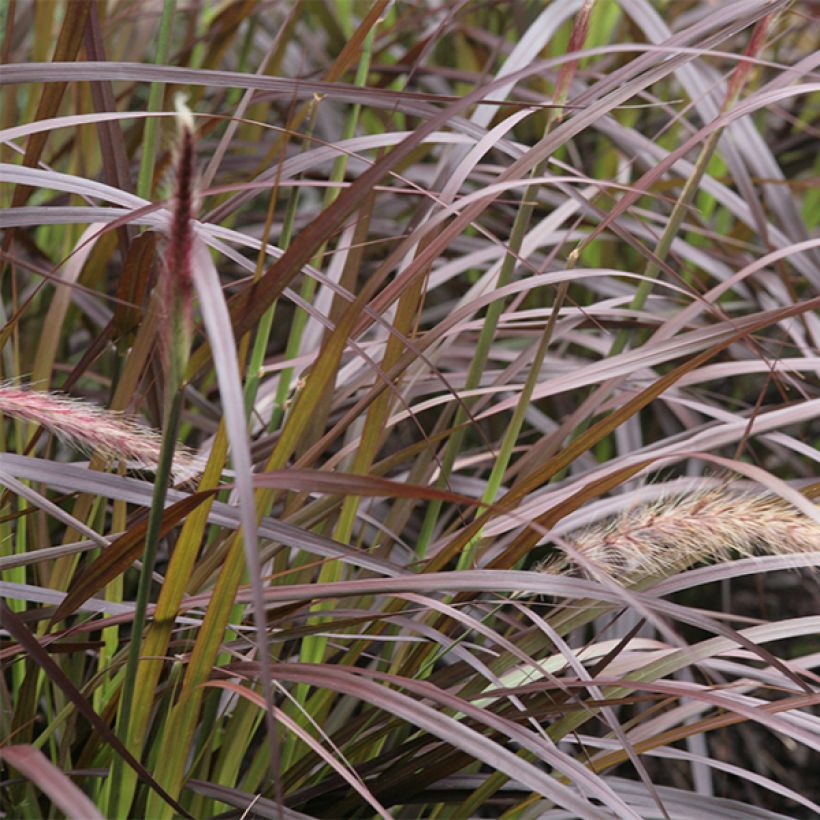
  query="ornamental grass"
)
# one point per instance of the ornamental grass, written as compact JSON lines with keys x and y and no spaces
{"x":409,"y":409}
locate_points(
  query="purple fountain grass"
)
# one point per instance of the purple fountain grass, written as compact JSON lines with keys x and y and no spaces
{"x":744,"y":67}
{"x":92,"y":429}
{"x":177,"y":281}
{"x":712,"y":525}
{"x":577,"y":38}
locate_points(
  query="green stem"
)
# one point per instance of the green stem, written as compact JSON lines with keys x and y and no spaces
{"x":309,"y":286}
{"x":514,"y":428}
{"x":161,"y":483}
{"x":149,"y":143}
{"x":652,"y":268}
{"x":479,"y":360}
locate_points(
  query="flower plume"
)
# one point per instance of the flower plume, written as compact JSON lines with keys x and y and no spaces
{"x":92,"y":429}
{"x":178,"y":277}
{"x":713,"y":525}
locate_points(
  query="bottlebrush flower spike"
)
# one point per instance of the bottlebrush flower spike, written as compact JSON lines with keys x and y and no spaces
{"x":93,"y":429}
{"x":713,"y":525}
{"x":177,"y":279}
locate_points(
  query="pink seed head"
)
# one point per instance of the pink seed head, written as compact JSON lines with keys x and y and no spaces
{"x":178,"y":276}
{"x":92,"y":429}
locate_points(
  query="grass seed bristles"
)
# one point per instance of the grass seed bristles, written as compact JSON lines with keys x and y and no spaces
{"x":92,"y":429}
{"x":659,"y":539}
{"x":177,"y":281}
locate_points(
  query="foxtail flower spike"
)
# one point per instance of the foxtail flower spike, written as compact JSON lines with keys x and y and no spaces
{"x":92,"y":429}
{"x":177,"y":276}
{"x":712,"y":525}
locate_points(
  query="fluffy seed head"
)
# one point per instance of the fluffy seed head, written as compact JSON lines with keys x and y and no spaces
{"x":713,"y":525}
{"x":178,"y":260}
{"x":93,"y":429}
{"x":177,"y":279}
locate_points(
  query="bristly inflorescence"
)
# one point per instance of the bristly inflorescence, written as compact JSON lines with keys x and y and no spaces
{"x":93,"y":429}
{"x":711,"y":525}
{"x":177,"y":276}
{"x":180,"y":240}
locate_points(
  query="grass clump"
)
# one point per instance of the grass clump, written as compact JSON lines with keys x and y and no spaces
{"x":420,"y":423}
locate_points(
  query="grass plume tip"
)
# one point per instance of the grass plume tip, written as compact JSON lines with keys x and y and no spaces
{"x":674,"y":533}
{"x":94,"y":430}
{"x":177,"y":276}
